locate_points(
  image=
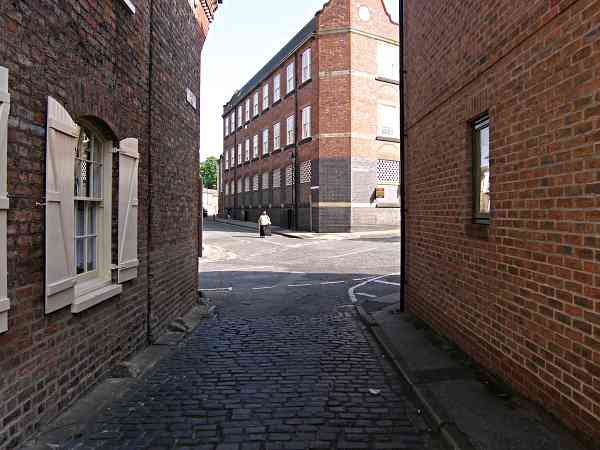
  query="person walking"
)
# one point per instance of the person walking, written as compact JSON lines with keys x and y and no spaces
{"x":264,"y":225}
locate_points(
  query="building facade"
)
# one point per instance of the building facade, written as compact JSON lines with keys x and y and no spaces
{"x":99,"y":194}
{"x":313,"y":137}
{"x":503,"y":191}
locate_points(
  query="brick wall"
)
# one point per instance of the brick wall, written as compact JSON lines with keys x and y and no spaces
{"x":94,"y":58}
{"x":521,"y":294}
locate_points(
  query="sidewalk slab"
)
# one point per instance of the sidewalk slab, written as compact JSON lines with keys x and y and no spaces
{"x":470,"y":408}
{"x":393,"y":232}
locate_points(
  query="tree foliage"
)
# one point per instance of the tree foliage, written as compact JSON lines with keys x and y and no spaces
{"x":208,"y":171}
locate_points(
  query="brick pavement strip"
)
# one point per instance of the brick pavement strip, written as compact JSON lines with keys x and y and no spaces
{"x":270,"y":383}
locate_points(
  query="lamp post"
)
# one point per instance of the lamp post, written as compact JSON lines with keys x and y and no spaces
{"x":402,"y":160}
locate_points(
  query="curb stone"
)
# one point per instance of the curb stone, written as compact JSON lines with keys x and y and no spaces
{"x":451,"y":434}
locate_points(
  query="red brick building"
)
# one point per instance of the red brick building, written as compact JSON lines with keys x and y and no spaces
{"x":99,"y":138}
{"x":313,"y":136}
{"x":503,"y":190}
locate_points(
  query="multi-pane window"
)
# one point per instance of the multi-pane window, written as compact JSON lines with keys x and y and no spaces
{"x":265,"y":141}
{"x":239,"y":155}
{"x":247,"y":110}
{"x":277,"y":136}
{"x":226,"y":126}
{"x":255,"y":104}
{"x":290,"y":78}
{"x":290,"y":130}
{"x":248,"y":149}
{"x":306,"y":65}
{"x":88,"y":201}
{"x":226,"y":188}
{"x":232,"y":122}
{"x":255,"y":146}
{"x":388,"y":61}
{"x":255,"y":182}
{"x":388,"y":121}
{"x":265,"y":96}
{"x":232,"y":155}
{"x":240,"y":116}
{"x":276,"y":178}
{"x":265,"y":181}
{"x":276,"y":88}
{"x":247,"y":187}
{"x":226,"y":160}
{"x":306,"y":122}
{"x":239,"y":185}
{"x":481,"y":168}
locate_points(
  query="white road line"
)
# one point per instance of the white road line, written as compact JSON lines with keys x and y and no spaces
{"x":333,"y":282}
{"x":366,"y":295}
{"x":351,"y":293}
{"x":387,"y":282}
{"x":217,"y":289}
{"x":261,"y":288}
{"x":299,"y":285}
{"x":352,"y":253}
{"x":361,"y":279}
{"x":297,"y":272}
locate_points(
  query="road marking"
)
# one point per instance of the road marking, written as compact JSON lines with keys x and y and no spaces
{"x":261,"y":288}
{"x":332,"y":282}
{"x":297,"y":272}
{"x":352,"y":253}
{"x":217,"y":289}
{"x":299,"y":285}
{"x":351,"y":293}
{"x":366,"y":295}
{"x":361,"y":279}
{"x":387,"y":282}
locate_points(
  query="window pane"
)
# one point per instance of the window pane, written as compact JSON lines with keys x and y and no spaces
{"x":91,"y":254}
{"x":484,"y":170}
{"x":91,"y":225}
{"x":80,"y":255}
{"x":79,"y":218}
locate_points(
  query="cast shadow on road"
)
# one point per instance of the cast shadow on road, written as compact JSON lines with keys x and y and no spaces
{"x":268,"y":292}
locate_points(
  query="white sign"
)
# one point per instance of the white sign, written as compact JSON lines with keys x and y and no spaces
{"x":191,"y":98}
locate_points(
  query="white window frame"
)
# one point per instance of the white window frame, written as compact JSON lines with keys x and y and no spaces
{"x":277,"y":136}
{"x":232,"y":123}
{"x":247,"y":184}
{"x":388,"y":61}
{"x":239,"y":155}
{"x":265,"y":141}
{"x":226,"y":153}
{"x":306,"y":65}
{"x":276,"y":87}
{"x":289,"y":129}
{"x":385,"y":122}
{"x":247,"y":149}
{"x":306,"y":122}
{"x":232,"y":156}
{"x":247,"y":110}
{"x":290,"y":78}
{"x":265,"y":176}
{"x":255,"y":183}
{"x":4,"y":201}
{"x":240,"y":116}
{"x":255,"y":147}
{"x":265,"y":96}
{"x":226,"y":126}
{"x":255,"y":110}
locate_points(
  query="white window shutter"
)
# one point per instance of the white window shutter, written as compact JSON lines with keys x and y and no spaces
{"x":62,"y":134}
{"x":4,"y":203}
{"x":128,"y":210}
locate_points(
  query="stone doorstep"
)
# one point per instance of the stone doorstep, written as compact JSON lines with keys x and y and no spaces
{"x":118,"y":380}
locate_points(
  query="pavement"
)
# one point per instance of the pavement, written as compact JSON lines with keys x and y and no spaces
{"x":384,"y":232}
{"x":468,"y":406}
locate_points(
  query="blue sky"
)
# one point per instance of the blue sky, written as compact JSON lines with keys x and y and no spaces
{"x":242,"y":39}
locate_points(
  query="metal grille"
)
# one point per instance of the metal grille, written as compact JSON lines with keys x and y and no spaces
{"x":255,"y":183}
{"x":276,"y":178}
{"x":305,"y":172}
{"x":288,"y":176}
{"x":388,"y":171}
{"x":265,"y":180}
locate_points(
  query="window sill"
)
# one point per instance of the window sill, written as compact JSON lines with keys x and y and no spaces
{"x":92,"y":298}
{"x":478,"y":230}
{"x":388,"y":80}
{"x":265,"y":109}
{"x":305,"y":140}
{"x":266,"y":156}
{"x":288,"y":146}
{"x":387,"y":139}
{"x":289,"y":94}
{"x":304,"y":83}
{"x":277,"y":150}
{"x":387,"y":205}
{"x":276,"y":101}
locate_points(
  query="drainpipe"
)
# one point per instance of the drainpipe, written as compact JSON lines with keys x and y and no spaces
{"x":296,"y":164}
{"x":149,"y":213}
{"x":402,"y":164}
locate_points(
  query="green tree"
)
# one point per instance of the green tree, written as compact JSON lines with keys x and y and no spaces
{"x":208,"y":171}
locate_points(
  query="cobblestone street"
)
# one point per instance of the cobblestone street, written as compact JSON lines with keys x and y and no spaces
{"x":298,"y":378}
